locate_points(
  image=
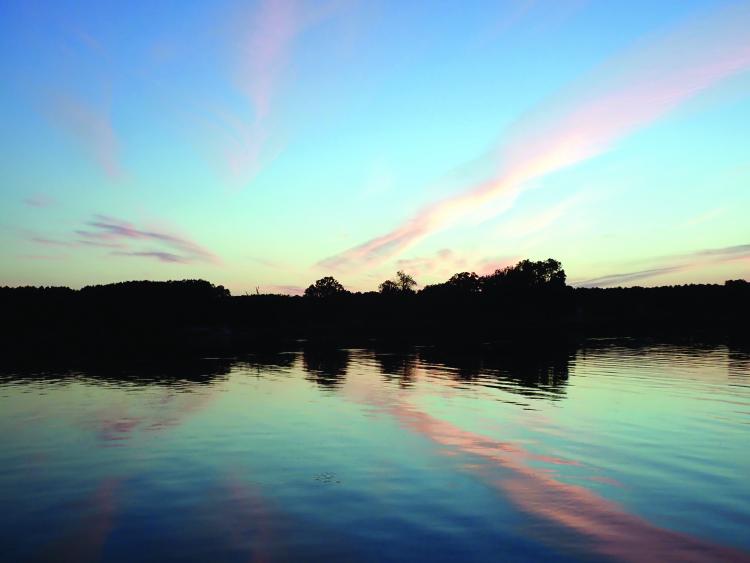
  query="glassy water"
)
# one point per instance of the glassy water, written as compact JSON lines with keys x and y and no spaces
{"x":611,"y":452}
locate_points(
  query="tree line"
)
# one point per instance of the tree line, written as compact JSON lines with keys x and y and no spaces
{"x":527,"y":274}
{"x":528,"y":302}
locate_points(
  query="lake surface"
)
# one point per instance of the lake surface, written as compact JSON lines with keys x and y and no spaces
{"x":615,"y":451}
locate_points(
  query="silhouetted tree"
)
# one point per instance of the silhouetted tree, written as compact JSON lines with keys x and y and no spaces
{"x":389,"y":287}
{"x":464,"y":282}
{"x":325,"y":287}
{"x":405,"y":282}
{"x":527,"y":274}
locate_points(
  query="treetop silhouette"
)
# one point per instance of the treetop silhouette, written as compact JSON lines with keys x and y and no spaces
{"x":325,"y":287}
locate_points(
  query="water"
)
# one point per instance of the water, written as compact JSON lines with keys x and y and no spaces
{"x":612,"y":452}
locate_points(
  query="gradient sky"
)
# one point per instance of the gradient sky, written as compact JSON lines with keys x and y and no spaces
{"x":267,"y":144}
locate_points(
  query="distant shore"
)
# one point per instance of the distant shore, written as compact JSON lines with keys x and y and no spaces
{"x":195,"y":317}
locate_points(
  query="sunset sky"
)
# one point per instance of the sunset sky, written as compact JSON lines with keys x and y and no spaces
{"x":267,"y":144}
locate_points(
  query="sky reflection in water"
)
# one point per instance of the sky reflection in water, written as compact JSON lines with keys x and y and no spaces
{"x":613,"y":451}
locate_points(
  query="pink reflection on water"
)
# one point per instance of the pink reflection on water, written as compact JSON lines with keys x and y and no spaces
{"x":116,"y":424}
{"x":608,"y":528}
{"x":85,"y":541}
{"x":252,"y":516}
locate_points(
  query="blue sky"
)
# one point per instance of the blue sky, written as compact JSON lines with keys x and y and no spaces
{"x":266,"y":144}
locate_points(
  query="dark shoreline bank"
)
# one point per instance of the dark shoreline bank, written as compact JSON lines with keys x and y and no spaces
{"x":50,"y":324}
{"x":196,"y":318}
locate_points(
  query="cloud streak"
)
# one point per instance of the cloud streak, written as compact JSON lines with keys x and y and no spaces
{"x":263,"y":53}
{"x":672,"y":264}
{"x":92,"y":128}
{"x":628,"y":93}
{"x":111,"y":230}
{"x":627,"y":277}
{"x":107,"y":232}
{"x":167,"y":257}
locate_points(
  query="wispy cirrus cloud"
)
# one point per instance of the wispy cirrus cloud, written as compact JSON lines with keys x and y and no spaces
{"x":111,"y":230}
{"x":263,"y":51}
{"x":91,"y":127}
{"x":266,"y":47}
{"x":671,"y":264}
{"x":725,"y":253}
{"x":81,"y":105}
{"x":160,"y":256}
{"x":629,"y":92}
{"x":627,"y":277}
{"x":124,"y":238}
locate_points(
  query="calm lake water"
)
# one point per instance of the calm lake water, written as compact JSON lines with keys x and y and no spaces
{"x":615,"y":451}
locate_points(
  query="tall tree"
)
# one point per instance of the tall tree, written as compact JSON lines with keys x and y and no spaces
{"x":325,"y":287}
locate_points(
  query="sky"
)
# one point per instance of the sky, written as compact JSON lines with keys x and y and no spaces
{"x":263,"y":145}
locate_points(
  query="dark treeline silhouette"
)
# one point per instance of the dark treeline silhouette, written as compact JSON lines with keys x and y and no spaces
{"x":526,"y":302}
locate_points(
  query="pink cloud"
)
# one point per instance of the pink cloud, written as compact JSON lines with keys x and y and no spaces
{"x":627,"y":278}
{"x":92,"y":128}
{"x":266,"y":48}
{"x":108,"y":229}
{"x":630,"y":92}
{"x":167,"y":257}
{"x":672,"y":264}
{"x":100,"y":244}
{"x":109,"y":232}
{"x":264,"y":51}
